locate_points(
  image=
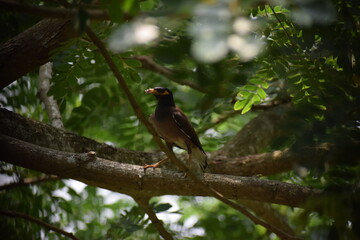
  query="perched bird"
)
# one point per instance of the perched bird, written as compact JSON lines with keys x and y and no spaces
{"x":174,"y":127}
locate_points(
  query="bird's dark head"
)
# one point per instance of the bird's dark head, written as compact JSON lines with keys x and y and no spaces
{"x":163,"y":95}
{"x":159,"y":91}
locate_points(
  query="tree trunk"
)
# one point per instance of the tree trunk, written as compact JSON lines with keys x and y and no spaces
{"x":32,"y":48}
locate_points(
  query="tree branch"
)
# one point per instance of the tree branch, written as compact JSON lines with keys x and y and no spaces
{"x":265,"y":164}
{"x":37,"y":221}
{"x":51,"y":106}
{"x":210,"y":190}
{"x":259,"y":133}
{"x":144,"y":204}
{"x":149,"y":64}
{"x":135,"y":181}
{"x":269,"y":214}
{"x":50,"y":12}
{"x":29,"y":181}
{"x":38,"y":42}
{"x":28,"y":130}
{"x":221,"y":119}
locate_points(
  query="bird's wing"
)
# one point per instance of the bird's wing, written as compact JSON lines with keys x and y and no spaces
{"x":185,"y":126}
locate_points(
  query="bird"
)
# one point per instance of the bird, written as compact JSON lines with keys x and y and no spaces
{"x":172,"y":125}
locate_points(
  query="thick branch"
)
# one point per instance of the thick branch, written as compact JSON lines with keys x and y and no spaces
{"x":44,"y":135}
{"x":37,"y":221}
{"x":259,"y":133}
{"x":265,"y":164}
{"x":38,"y":42}
{"x":50,"y":12}
{"x":139,"y":113}
{"x":134,"y":181}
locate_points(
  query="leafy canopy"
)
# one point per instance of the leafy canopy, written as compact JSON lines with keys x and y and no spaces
{"x":240,"y":55}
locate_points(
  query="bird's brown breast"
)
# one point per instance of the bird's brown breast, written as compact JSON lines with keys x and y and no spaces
{"x":168,"y":130}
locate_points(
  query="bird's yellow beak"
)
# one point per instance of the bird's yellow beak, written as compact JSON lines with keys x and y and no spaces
{"x":156,"y":92}
{"x":150,"y":91}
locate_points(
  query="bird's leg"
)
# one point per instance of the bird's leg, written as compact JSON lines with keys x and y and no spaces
{"x":155,"y":165}
{"x":189,"y":159}
{"x":189,"y":162}
{"x":189,"y":150}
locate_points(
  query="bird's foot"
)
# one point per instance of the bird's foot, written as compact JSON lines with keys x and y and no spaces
{"x":146,"y":166}
{"x":155,"y":165}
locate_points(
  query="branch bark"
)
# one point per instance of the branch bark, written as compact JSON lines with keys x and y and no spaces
{"x":37,"y":221}
{"x":16,"y":126}
{"x":139,"y":113}
{"x":144,"y":204}
{"x":259,"y":133}
{"x":51,"y":107}
{"x":269,"y":214}
{"x":134,"y":181}
{"x":38,"y":42}
{"x":149,"y":64}
{"x":265,"y":164}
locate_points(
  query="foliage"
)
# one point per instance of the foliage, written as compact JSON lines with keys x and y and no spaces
{"x":306,"y":53}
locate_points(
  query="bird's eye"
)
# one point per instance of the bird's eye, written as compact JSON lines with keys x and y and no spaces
{"x":160,"y":90}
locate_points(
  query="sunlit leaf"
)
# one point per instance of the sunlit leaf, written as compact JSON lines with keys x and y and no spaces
{"x":162,"y":207}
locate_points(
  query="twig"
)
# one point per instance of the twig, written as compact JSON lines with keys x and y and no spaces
{"x":149,"y":64}
{"x":167,"y":151}
{"x":222,"y":118}
{"x":144,"y":204}
{"x":37,"y":221}
{"x":29,"y":181}
{"x":283,"y":27}
{"x":50,"y":103}
{"x":50,"y":12}
{"x":229,"y":114}
{"x":269,"y":214}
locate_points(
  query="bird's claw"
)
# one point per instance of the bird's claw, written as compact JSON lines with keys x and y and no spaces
{"x":146,"y":166}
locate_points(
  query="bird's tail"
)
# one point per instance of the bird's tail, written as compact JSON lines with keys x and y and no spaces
{"x":200,"y":160}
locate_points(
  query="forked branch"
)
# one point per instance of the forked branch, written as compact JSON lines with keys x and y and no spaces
{"x":169,"y":153}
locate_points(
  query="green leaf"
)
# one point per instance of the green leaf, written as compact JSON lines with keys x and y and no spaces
{"x":261,"y":93}
{"x":131,"y":6}
{"x":255,"y":99}
{"x":147,"y":5}
{"x":251,"y":88}
{"x":240,"y":104}
{"x":244,"y":94}
{"x":247,"y":107}
{"x":259,"y":83}
{"x":254,"y":12}
{"x":134,"y":63}
{"x":134,"y":76}
{"x":162,"y":207}
{"x":116,"y":11}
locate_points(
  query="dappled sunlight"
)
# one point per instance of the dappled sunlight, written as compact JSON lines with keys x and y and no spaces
{"x":217,"y":32}
{"x":133,"y":34}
